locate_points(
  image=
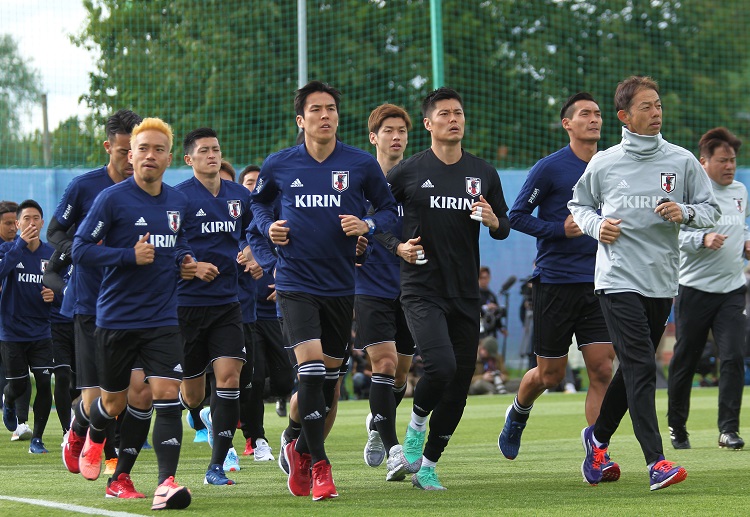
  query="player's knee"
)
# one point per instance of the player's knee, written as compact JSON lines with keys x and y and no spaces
{"x":385,"y":365}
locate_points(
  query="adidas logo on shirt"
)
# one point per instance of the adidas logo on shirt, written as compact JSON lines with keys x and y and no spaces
{"x":225,"y":434}
{"x":178,"y":368}
{"x":623,"y":184}
{"x":313,"y":416}
{"x":200,"y":213}
{"x":428,"y":184}
{"x":171,"y":441}
{"x":20,"y":266}
{"x":296,"y":183}
{"x":141,"y":222}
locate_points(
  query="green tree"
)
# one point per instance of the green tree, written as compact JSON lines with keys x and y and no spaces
{"x":231,"y":64}
{"x":19,"y":89}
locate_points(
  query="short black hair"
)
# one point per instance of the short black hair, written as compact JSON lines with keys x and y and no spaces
{"x":188,"y":144}
{"x":567,"y":109}
{"x":301,"y":95}
{"x":29,"y":203}
{"x":715,"y":138}
{"x":442,"y":93}
{"x":7,"y":207}
{"x":250,"y":168}
{"x":628,"y":88}
{"x":122,"y":123}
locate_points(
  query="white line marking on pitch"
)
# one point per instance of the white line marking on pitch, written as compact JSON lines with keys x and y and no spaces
{"x":69,"y":507}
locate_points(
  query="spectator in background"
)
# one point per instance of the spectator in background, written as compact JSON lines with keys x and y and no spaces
{"x":489,"y":375}
{"x":490,"y":308}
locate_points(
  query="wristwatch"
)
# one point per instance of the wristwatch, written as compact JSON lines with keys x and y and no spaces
{"x":691,"y":213}
{"x":370,"y":225}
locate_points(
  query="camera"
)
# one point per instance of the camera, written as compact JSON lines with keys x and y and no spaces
{"x":491,"y":319}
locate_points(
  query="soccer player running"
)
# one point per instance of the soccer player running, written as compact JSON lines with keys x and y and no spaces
{"x":323,"y":185}
{"x":381,"y":326}
{"x":209,"y":310}
{"x":25,"y":337}
{"x":8,"y":231}
{"x":712,"y":296}
{"x":269,"y":356}
{"x":81,"y":301}
{"x":563,"y":279}
{"x":645,"y":187}
{"x":143,"y":253}
{"x":447,"y":195}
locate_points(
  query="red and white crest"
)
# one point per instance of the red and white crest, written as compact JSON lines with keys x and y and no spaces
{"x":473,"y":186}
{"x":174,"y":220}
{"x":44,"y":265}
{"x":340,"y":180}
{"x":738,"y":203}
{"x":235,"y":208}
{"x":668,"y":181}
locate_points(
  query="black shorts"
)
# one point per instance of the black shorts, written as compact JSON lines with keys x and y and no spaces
{"x":63,"y":345}
{"x":561,"y":310}
{"x":326,"y":318}
{"x":381,"y":320}
{"x":19,"y":356}
{"x":87,"y":375}
{"x":211,"y":333}
{"x":158,"y":349}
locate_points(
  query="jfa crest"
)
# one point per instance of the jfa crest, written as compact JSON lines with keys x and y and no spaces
{"x":668,"y":180}
{"x":340,"y":180}
{"x":235,"y":208}
{"x":738,"y":203}
{"x":473,"y":186}
{"x":174,"y":220}
{"x":44,"y":265}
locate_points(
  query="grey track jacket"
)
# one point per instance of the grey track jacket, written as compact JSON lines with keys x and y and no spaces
{"x":718,"y":271}
{"x":625,"y":182}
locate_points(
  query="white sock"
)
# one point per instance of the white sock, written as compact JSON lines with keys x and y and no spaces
{"x":418,"y":423}
{"x":597,"y":442}
{"x":428,"y":463}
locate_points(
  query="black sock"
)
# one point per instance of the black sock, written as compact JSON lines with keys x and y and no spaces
{"x":520,"y":413}
{"x":112,"y":439}
{"x":292,"y":431}
{"x":197,"y":422}
{"x":62,"y":396}
{"x":99,"y":421}
{"x":383,"y":408}
{"x":81,"y":422}
{"x":224,"y":419}
{"x":136,"y":423}
{"x":398,"y":393}
{"x":312,"y":409}
{"x":167,"y":436}
{"x":42,"y":401}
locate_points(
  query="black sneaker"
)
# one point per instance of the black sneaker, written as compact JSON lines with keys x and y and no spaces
{"x":281,"y":407}
{"x":679,"y":437}
{"x":731,"y":441}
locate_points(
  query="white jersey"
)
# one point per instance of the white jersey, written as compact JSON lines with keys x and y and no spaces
{"x":626,"y":182}
{"x":718,"y":271}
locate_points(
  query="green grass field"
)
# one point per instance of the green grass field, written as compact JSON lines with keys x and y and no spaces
{"x":544,"y":480}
